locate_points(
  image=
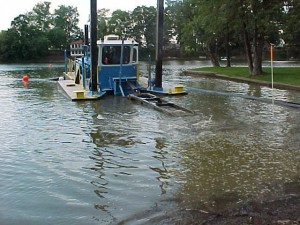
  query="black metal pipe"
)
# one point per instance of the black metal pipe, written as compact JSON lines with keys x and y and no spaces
{"x":86,"y":35}
{"x":93,"y":35}
{"x":159,"y":43}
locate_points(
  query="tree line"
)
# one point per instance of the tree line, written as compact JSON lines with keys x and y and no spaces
{"x":223,"y":26}
{"x":211,"y":28}
{"x":33,"y":34}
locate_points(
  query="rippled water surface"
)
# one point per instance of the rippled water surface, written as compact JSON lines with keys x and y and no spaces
{"x":116,"y":162}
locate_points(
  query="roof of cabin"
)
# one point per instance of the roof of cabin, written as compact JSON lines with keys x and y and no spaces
{"x":115,"y":40}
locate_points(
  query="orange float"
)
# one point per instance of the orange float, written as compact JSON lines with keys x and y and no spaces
{"x":25,"y":78}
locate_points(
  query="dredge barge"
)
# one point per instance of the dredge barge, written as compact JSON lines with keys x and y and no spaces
{"x":111,"y":66}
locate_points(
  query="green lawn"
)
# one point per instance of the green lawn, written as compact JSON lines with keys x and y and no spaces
{"x":286,"y":75}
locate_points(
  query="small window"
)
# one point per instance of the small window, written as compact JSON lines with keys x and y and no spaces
{"x":134,"y":57}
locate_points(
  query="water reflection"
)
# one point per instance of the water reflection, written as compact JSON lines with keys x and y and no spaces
{"x":254,"y":90}
{"x":129,"y":157}
{"x":116,"y":162}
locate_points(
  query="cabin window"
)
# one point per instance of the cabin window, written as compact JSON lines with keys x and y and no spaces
{"x":134,"y":56}
{"x":111,"y":55}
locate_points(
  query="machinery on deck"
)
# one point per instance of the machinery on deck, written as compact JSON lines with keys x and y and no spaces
{"x":117,"y":68}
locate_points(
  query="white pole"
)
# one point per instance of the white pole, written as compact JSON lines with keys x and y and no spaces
{"x":272,"y":72}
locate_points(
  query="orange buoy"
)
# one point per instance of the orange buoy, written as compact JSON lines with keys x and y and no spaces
{"x":25,"y":78}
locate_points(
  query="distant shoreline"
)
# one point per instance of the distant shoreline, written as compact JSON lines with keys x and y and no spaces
{"x":53,"y":57}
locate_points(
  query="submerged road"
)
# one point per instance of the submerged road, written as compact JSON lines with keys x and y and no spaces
{"x":261,"y":99}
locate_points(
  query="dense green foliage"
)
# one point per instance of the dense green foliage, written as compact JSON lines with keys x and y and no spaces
{"x":291,"y":28}
{"x":223,"y":25}
{"x":33,"y":34}
{"x":215,"y":29}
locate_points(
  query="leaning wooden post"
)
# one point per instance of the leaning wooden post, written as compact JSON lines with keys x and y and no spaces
{"x":93,"y":37}
{"x":159,"y":43}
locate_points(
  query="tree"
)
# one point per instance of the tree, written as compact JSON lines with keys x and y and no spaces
{"x":66,"y":18}
{"x":28,"y":42}
{"x":144,"y":25}
{"x":259,"y":20}
{"x":212,"y":23}
{"x":102,"y":28}
{"x":120,"y":23}
{"x":291,"y":28}
{"x":188,"y":31}
{"x":41,"y":17}
{"x":171,"y":19}
{"x":58,"y":38}
{"x":32,"y":34}
{"x":8,"y":45}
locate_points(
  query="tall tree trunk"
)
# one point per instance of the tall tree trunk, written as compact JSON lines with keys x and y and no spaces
{"x":228,"y":56}
{"x":214,"y":59}
{"x":257,"y":58}
{"x":258,"y":42}
{"x":257,"y":54}
{"x":213,"y":56}
{"x":248,"y":48}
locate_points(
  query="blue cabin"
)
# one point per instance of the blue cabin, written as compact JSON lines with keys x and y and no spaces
{"x":118,"y":66}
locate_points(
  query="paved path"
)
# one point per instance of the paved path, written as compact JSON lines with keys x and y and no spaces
{"x":242,"y":80}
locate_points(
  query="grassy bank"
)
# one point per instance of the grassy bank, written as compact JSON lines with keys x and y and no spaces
{"x":285,"y":75}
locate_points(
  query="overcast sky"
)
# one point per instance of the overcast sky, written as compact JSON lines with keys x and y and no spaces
{"x":13,"y":8}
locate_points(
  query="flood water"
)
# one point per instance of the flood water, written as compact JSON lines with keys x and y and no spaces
{"x":115,"y":162}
